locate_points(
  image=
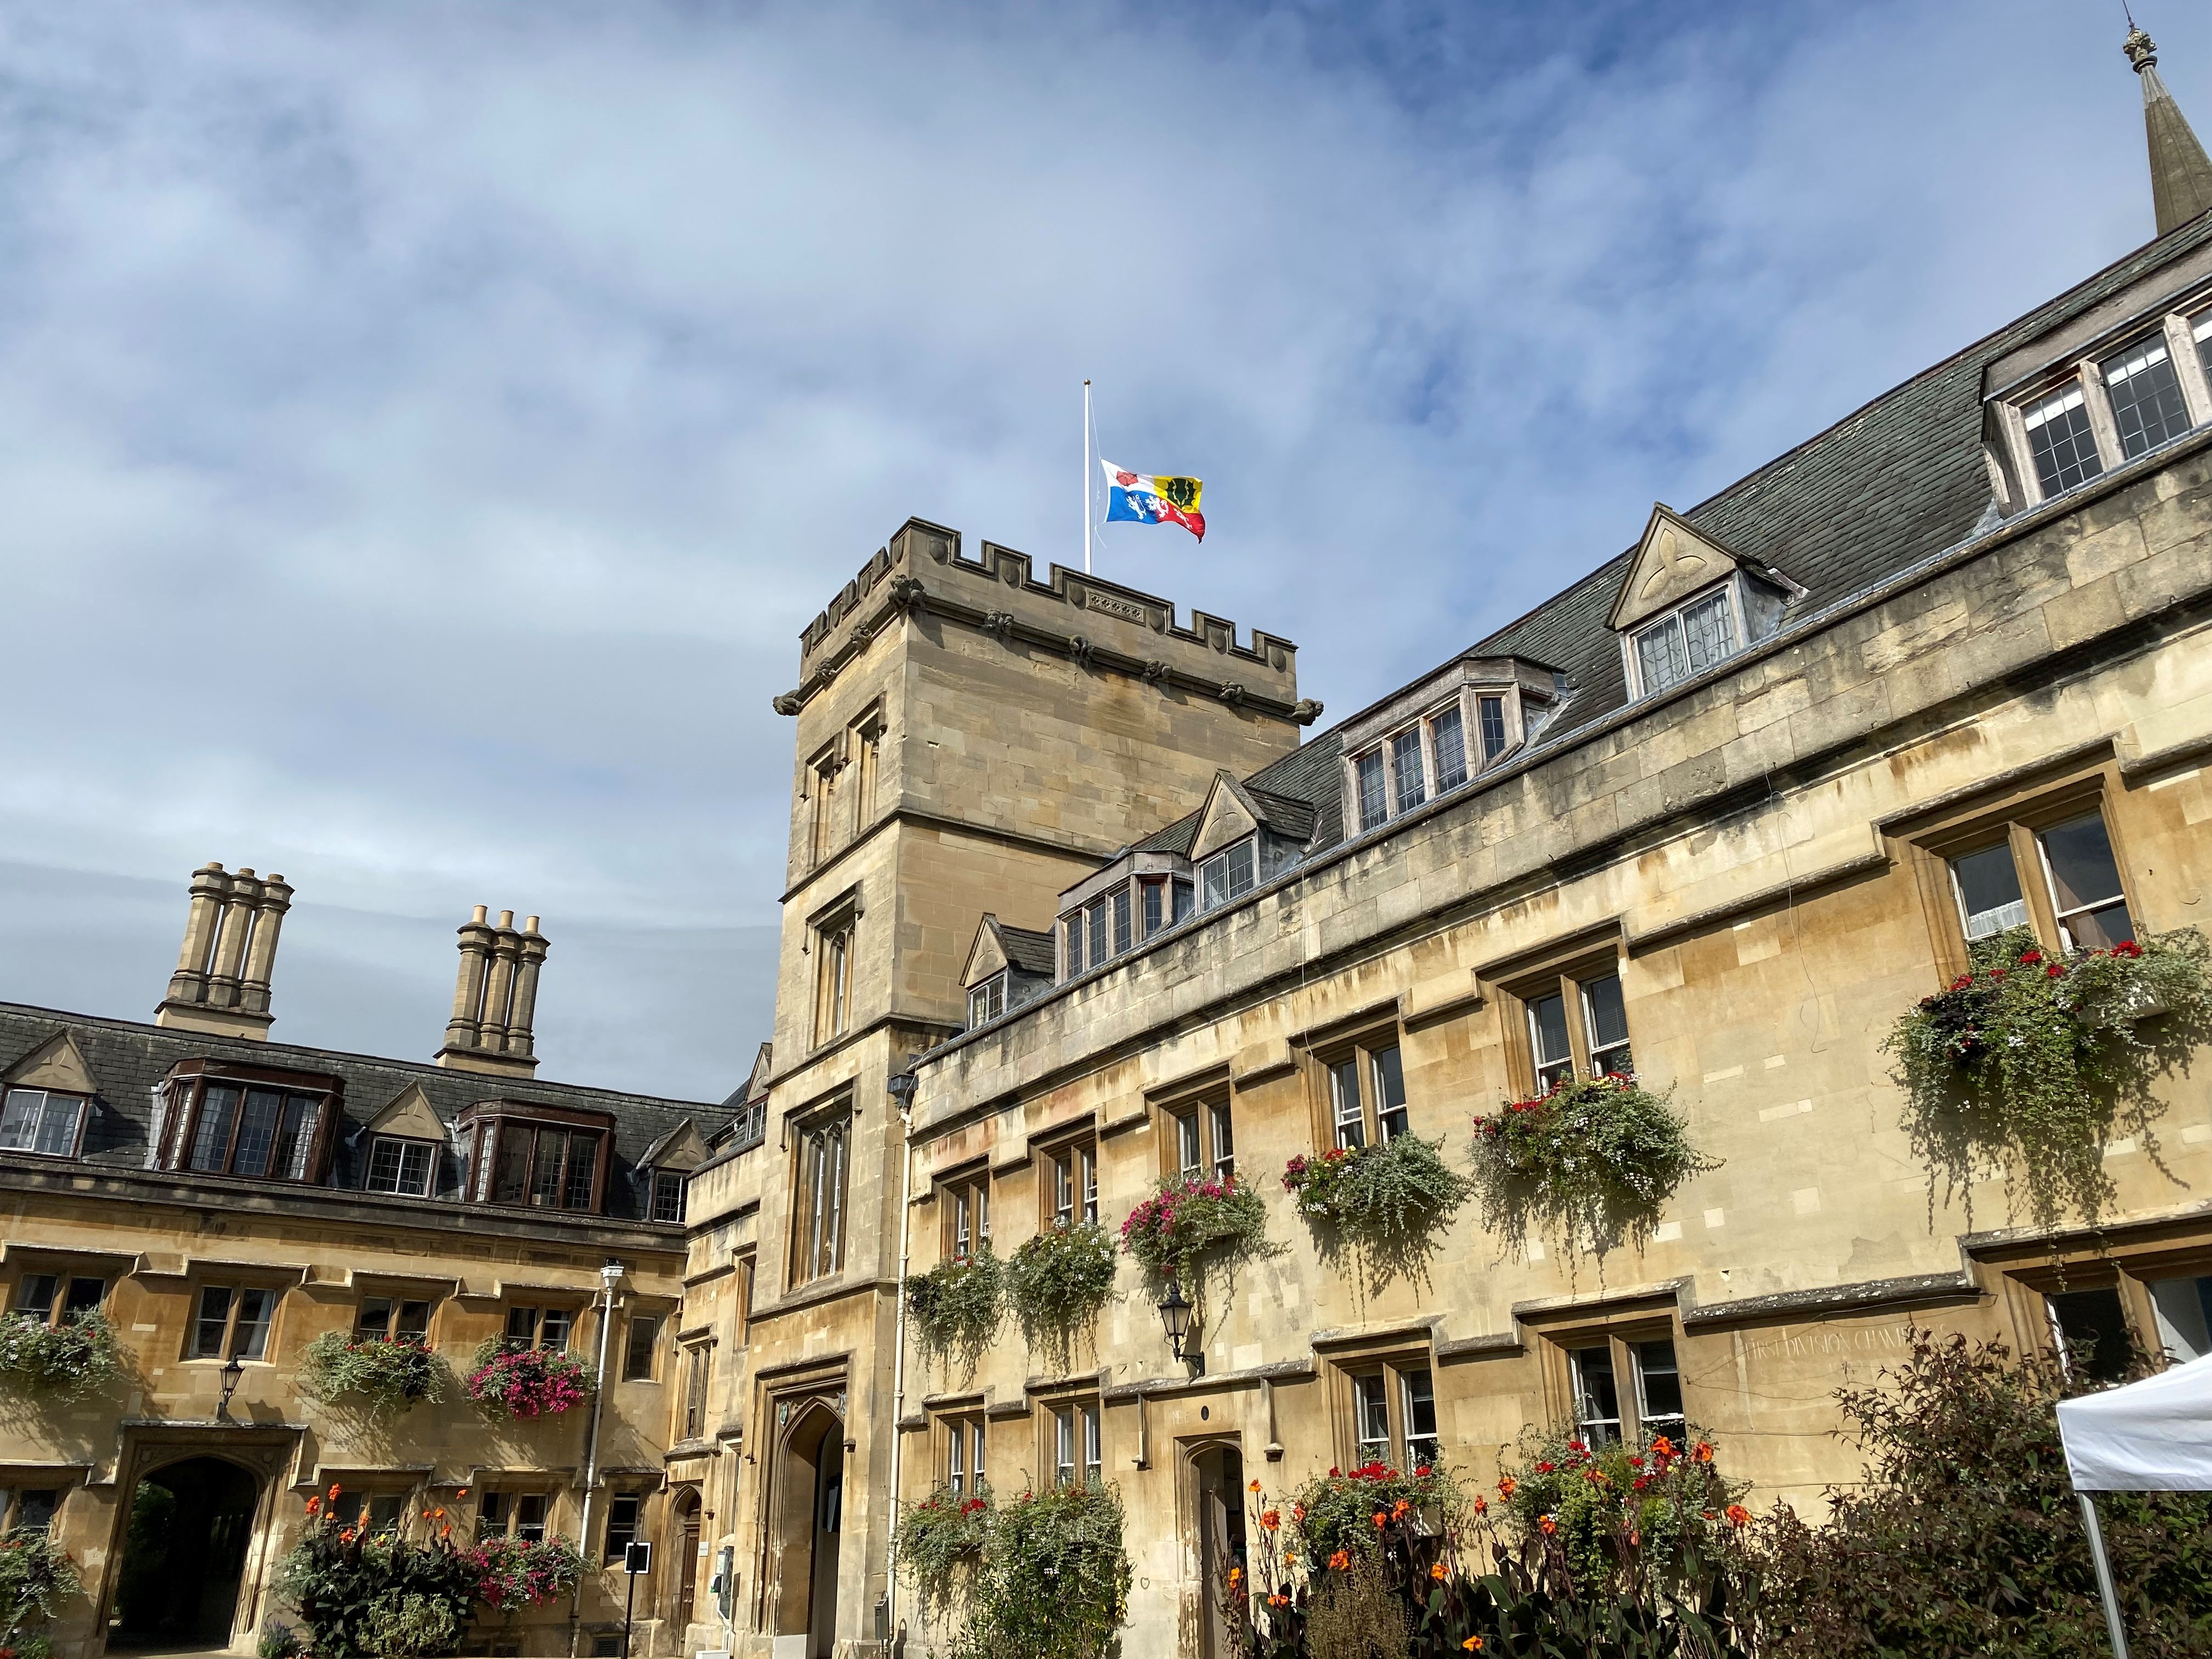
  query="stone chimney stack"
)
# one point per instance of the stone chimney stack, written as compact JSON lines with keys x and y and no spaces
{"x":495,"y":997}
{"x":221,"y":982}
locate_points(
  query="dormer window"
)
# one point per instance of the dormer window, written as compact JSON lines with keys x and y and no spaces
{"x":2148,"y":407}
{"x":1422,"y":759}
{"x":2061,"y":440}
{"x":263,"y":1125}
{"x":43,"y":1121}
{"x":399,"y":1165}
{"x":668,"y":1189}
{"x":986,"y":1002}
{"x":535,"y":1157}
{"x":1685,"y":642}
{"x":1229,"y":874}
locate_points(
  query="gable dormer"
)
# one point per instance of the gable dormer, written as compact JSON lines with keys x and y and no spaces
{"x":664,"y":1173}
{"x":44,"y":1100}
{"x":1245,"y":836}
{"x":402,"y":1145}
{"x":1006,"y":966}
{"x":1689,"y":603}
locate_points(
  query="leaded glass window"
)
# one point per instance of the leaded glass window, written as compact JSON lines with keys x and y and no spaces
{"x":2059,"y":438}
{"x":2148,"y":407}
{"x":1450,"y":737}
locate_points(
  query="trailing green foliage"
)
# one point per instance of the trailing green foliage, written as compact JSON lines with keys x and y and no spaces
{"x":955,"y":1307}
{"x":937,"y":1543}
{"x":62,"y":1362}
{"x":1387,"y":1204}
{"x":1593,"y":1161}
{"x":2031,"y":1061}
{"x":1188,"y":1218}
{"x":1051,"y":1578}
{"x":1336,"y":1511}
{"x":383,"y":1377}
{"x":36,"y":1576}
{"x":1058,"y":1282}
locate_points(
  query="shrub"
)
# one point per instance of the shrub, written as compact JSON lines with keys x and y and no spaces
{"x":361,"y":1593}
{"x":66,"y":1361}
{"x":1052,"y":1578}
{"x":1188,"y":1218}
{"x":384,"y":1376}
{"x":955,"y":1307}
{"x":526,"y":1382}
{"x":1593,"y":1161}
{"x":1389,"y":1205}
{"x":1641,"y":1506}
{"x":1057,"y":1283}
{"x":512,"y":1573}
{"x":937,"y":1543}
{"x":2029,"y":1061}
{"x":1964,"y":1536}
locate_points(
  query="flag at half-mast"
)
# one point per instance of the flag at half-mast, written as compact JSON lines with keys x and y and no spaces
{"x":1140,"y":498}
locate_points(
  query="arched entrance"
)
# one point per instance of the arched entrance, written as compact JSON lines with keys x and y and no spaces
{"x":808,"y":1510}
{"x":1220,"y":1469}
{"x":183,"y":1555}
{"x":686,"y":1542}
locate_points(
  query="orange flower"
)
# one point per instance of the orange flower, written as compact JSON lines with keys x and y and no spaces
{"x":461,"y":1491}
{"x":1398,"y":1510}
{"x":1235,"y":1577}
{"x":1738,"y":1516}
{"x":1339,"y":1561}
{"x":1704,"y":1453}
{"x":1547,"y":1526}
{"x":1481,"y":1504}
{"x":1271,"y":1519}
{"x":314,"y":1505}
{"x":1255,"y":1486}
{"x":1437,"y":1572}
{"x":1290,"y":1558}
{"x":1381,"y":1518}
{"x":1505,"y":1487}
{"x":1298,"y":1511}
{"x":1473,"y":1645}
{"x":1662,"y":1447}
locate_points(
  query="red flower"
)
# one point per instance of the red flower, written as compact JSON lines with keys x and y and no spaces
{"x":1738,"y":1516}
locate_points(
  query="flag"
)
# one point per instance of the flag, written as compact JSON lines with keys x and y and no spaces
{"x":1138,"y":498}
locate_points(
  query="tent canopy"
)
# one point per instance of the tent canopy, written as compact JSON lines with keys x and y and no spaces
{"x":2151,"y":1435}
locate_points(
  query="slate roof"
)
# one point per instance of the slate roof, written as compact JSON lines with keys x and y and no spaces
{"x":128,"y":1060}
{"x":1028,"y":951}
{"x":1893,"y":482}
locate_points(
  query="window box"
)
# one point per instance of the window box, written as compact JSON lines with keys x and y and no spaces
{"x":527,"y":1383}
{"x":1058,"y":1283}
{"x":956,"y":1306}
{"x":58,"y":1344}
{"x":380,"y":1376}
{"x":1189,"y":1221}
{"x":1387,"y":1203}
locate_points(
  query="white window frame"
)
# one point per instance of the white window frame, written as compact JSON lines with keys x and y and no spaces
{"x":1221,"y":860}
{"x":988,"y":1000}
{"x":1728,"y":589}
{"x":33,"y":1119}
{"x":399,"y":1187}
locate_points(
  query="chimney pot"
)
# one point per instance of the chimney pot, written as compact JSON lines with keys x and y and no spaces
{"x":495,"y":998}
{"x":221,"y":982}
{"x":529,"y":924}
{"x":507,"y":918}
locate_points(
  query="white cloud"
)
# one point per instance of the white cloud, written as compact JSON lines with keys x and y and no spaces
{"x":428,"y":428}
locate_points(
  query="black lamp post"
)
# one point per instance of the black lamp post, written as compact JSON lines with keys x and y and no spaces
{"x":232,"y":1373}
{"x":1175,"y":1313}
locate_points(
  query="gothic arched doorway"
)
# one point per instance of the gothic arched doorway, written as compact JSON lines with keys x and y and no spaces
{"x":808,"y":1506}
{"x":183,"y":1555}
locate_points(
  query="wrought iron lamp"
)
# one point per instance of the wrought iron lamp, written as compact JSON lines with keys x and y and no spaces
{"x":1176,"y":1311}
{"x":233,"y":1373}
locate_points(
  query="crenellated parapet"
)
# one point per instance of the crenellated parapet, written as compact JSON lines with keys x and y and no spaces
{"x":1101,"y":626}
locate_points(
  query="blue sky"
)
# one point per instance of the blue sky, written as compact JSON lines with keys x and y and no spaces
{"x":427,"y":427}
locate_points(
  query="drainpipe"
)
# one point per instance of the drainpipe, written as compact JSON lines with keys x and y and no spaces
{"x":608,"y":1274}
{"x":900,"y":1088}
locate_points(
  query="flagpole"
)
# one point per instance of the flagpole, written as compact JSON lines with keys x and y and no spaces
{"x":1087,"y":478}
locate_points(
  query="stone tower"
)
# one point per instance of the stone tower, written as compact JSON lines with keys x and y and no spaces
{"x":969,"y":740}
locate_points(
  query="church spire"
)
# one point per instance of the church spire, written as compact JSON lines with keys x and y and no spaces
{"x":2180,"y":174}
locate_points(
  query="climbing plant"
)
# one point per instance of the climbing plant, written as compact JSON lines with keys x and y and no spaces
{"x":2030,"y":1061}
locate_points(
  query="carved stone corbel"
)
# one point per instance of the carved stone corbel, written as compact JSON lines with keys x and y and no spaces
{"x":1305,"y":711}
{"x":1081,"y":649}
{"x":1156,"y":672}
{"x":786,"y":703}
{"x":1231,"y":693}
{"x":906,"y":593}
{"x":1000,"y":624}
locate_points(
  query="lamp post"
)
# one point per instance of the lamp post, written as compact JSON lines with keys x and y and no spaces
{"x":233,"y":1373}
{"x":1175,"y":1312}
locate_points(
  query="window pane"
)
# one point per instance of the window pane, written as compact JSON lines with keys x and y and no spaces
{"x":1492,"y":712}
{"x":1609,"y":1026}
{"x":668,"y":1192}
{"x":373,"y":1322}
{"x":2085,"y":884}
{"x":1420,"y":1407}
{"x":553,"y":1330}
{"x":1089,"y":1160}
{"x":2201,"y":328}
{"x":1708,"y":632}
{"x":622,"y":1525}
{"x":956,"y":1468}
{"x":545,"y":1167}
{"x":295,"y":1141}
{"x":414,"y":1320}
{"x":56,"y":1131}
{"x":249,"y":1336}
{"x":522,"y":1328}
{"x":491,"y":1515}
{"x":530,"y":1517}
{"x":383,"y":1166}
{"x":583,"y":1172}
{"x":2093,"y":1321}
{"x":1154,"y":902}
{"x":1659,"y":1381}
{"x":1063,"y":1189}
{"x":2146,"y":397}
{"x":1225,"y":1140}
{"x":1597,"y":1401}
{"x":1371,"y":1418}
{"x":1120,"y":921}
{"x":1547,"y":1032}
{"x":979,"y":1007}
{"x":1659,"y":655}
{"x":1406,"y":768}
{"x":211,"y":1139}
{"x":213,"y":1320}
{"x":2059,"y":438}
{"x":257,"y":1132}
{"x":1094,"y":1448}
{"x":84,"y":1295}
{"x":1389,"y":1075}
{"x":1094,"y":925}
{"x":1063,"y":1437}
{"x":2183,"y":1311}
{"x":1183,"y":897}
{"x":1450,"y":738}
{"x":18,"y":1118}
{"x":415,"y":1161}
{"x":1073,"y":943}
{"x":637,"y":1352}
{"x":511,"y":1170}
{"x":1344,"y":1088}
{"x":1187,"y":1154}
{"x":1373,"y":801}
{"x":34,"y":1294}
{"x":36,"y":1507}
{"x":1988,"y":892}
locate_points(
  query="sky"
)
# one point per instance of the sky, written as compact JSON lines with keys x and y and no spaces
{"x":424,"y":429}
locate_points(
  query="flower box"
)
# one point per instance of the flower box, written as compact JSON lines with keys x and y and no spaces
{"x":527,"y":1383}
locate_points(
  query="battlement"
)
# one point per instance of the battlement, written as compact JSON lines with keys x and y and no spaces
{"x":1101,"y":624}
